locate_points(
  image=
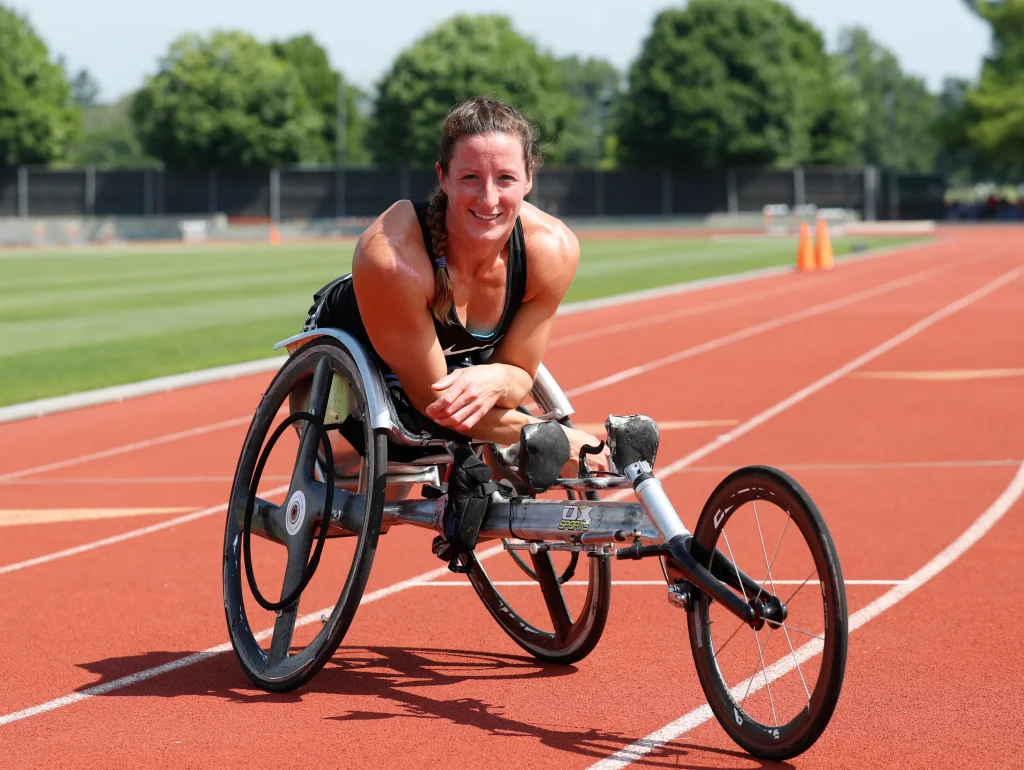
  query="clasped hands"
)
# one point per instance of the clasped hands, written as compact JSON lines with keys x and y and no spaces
{"x":465,"y":395}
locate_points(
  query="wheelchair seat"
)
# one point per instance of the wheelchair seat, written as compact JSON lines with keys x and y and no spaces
{"x":410,"y":441}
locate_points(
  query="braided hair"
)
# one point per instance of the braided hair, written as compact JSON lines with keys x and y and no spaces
{"x":479,"y":115}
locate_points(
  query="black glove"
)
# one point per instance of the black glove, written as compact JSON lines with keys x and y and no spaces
{"x":469,"y":491}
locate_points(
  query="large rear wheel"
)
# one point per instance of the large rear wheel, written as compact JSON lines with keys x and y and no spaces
{"x":321,"y":381}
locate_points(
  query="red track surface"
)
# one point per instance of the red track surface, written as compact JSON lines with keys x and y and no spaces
{"x":426,"y":679}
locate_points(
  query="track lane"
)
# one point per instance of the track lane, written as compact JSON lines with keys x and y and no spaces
{"x":496,"y":630}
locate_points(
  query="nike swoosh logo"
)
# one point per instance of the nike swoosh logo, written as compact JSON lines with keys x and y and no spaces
{"x":451,"y":351}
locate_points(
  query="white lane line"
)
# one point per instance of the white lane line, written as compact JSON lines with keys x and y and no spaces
{"x":752,"y":331}
{"x":199,"y":657}
{"x":646,"y":321}
{"x":828,"y":379}
{"x":584,"y":584}
{"x":604,"y":382}
{"x":124,"y":448}
{"x":950,"y":554}
{"x":222,"y":508}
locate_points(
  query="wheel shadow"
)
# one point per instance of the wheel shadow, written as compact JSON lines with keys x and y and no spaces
{"x":407,"y":683}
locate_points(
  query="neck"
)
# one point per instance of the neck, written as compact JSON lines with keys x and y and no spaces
{"x":472,"y":256}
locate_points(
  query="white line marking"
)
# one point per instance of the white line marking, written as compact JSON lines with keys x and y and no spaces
{"x":950,"y":554}
{"x":751,"y":331}
{"x":47,"y":406}
{"x":120,"y":450}
{"x":645,"y":322}
{"x":199,"y":657}
{"x":942,"y":375}
{"x":828,"y":379}
{"x":222,"y":508}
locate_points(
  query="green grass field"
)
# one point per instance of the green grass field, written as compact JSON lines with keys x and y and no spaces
{"x":74,"y":320}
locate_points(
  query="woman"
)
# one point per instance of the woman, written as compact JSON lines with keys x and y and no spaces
{"x":475,"y":274}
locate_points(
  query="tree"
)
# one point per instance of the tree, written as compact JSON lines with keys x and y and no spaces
{"x":108,"y":139}
{"x":323,"y":85}
{"x":994,"y":119}
{"x":900,"y":112}
{"x":733,"y":82}
{"x":463,"y":57}
{"x":38,"y":118}
{"x":226,"y":100}
{"x":85,"y":90}
{"x":595,"y":85}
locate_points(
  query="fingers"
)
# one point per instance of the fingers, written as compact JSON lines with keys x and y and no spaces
{"x":442,"y":406}
{"x":447,"y":380}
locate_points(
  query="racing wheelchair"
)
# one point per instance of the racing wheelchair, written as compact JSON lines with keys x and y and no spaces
{"x":355,"y":452}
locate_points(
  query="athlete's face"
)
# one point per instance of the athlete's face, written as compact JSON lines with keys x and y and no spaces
{"x":486,"y":183}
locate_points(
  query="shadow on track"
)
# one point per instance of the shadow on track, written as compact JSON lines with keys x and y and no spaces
{"x":401,"y":680}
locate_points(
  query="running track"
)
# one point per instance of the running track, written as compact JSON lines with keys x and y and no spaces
{"x":900,"y":467}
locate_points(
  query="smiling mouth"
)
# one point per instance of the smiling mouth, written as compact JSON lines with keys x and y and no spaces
{"x":482,"y":218}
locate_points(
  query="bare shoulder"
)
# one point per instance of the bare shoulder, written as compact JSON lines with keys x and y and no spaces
{"x":552,"y":251}
{"x":391,"y":251}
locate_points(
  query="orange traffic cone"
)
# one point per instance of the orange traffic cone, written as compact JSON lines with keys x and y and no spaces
{"x":275,"y":235}
{"x":805,"y":250}
{"x":823,"y":247}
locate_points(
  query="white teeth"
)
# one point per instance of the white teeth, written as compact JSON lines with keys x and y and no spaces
{"x":490,"y":218}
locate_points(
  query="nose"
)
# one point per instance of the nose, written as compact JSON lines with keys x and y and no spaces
{"x":489,"y":194}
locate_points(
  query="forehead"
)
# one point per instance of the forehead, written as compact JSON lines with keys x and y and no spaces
{"x":492,"y":149}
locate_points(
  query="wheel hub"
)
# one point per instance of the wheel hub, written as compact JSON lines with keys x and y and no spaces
{"x":295,"y":513}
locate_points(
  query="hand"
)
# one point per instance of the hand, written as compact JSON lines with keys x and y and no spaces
{"x":466,"y":395}
{"x":577,"y":440}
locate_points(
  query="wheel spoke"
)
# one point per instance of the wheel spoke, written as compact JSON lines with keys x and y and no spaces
{"x":801,"y":631}
{"x":775,"y":592}
{"x":309,"y":438}
{"x":553,"y":596}
{"x":793,"y":595}
{"x":731,"y":637}
{"x":284,"y":625}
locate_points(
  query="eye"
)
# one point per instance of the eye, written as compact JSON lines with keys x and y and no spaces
{"x":469,"y":176}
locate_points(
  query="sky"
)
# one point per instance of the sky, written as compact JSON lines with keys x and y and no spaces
{"x":120,"y":41}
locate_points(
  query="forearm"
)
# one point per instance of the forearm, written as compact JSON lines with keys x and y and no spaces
{"x":517,"y":386}
{"x":500,"y":426}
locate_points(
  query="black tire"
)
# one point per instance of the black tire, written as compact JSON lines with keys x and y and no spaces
{"x":792,"y":737}
{"x":573,"y":638}
{"x":289,"y":671}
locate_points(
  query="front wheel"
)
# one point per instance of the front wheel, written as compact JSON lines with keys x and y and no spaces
{"x":773,"y":689}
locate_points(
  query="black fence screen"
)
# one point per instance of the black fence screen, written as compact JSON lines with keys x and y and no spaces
{"x":365,"y":192}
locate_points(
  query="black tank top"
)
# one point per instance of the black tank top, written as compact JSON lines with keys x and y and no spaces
{"x":335,"y":306}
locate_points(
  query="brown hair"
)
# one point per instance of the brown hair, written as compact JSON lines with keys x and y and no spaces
{"x":479,"y":115}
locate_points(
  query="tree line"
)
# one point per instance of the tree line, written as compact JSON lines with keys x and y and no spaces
{"x":716,"y":84}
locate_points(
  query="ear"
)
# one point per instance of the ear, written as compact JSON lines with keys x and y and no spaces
{"x":441,"y":180}
{"x":529,"y":183}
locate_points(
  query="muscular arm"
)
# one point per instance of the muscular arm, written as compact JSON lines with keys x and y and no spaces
{"x":556,"y":255}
